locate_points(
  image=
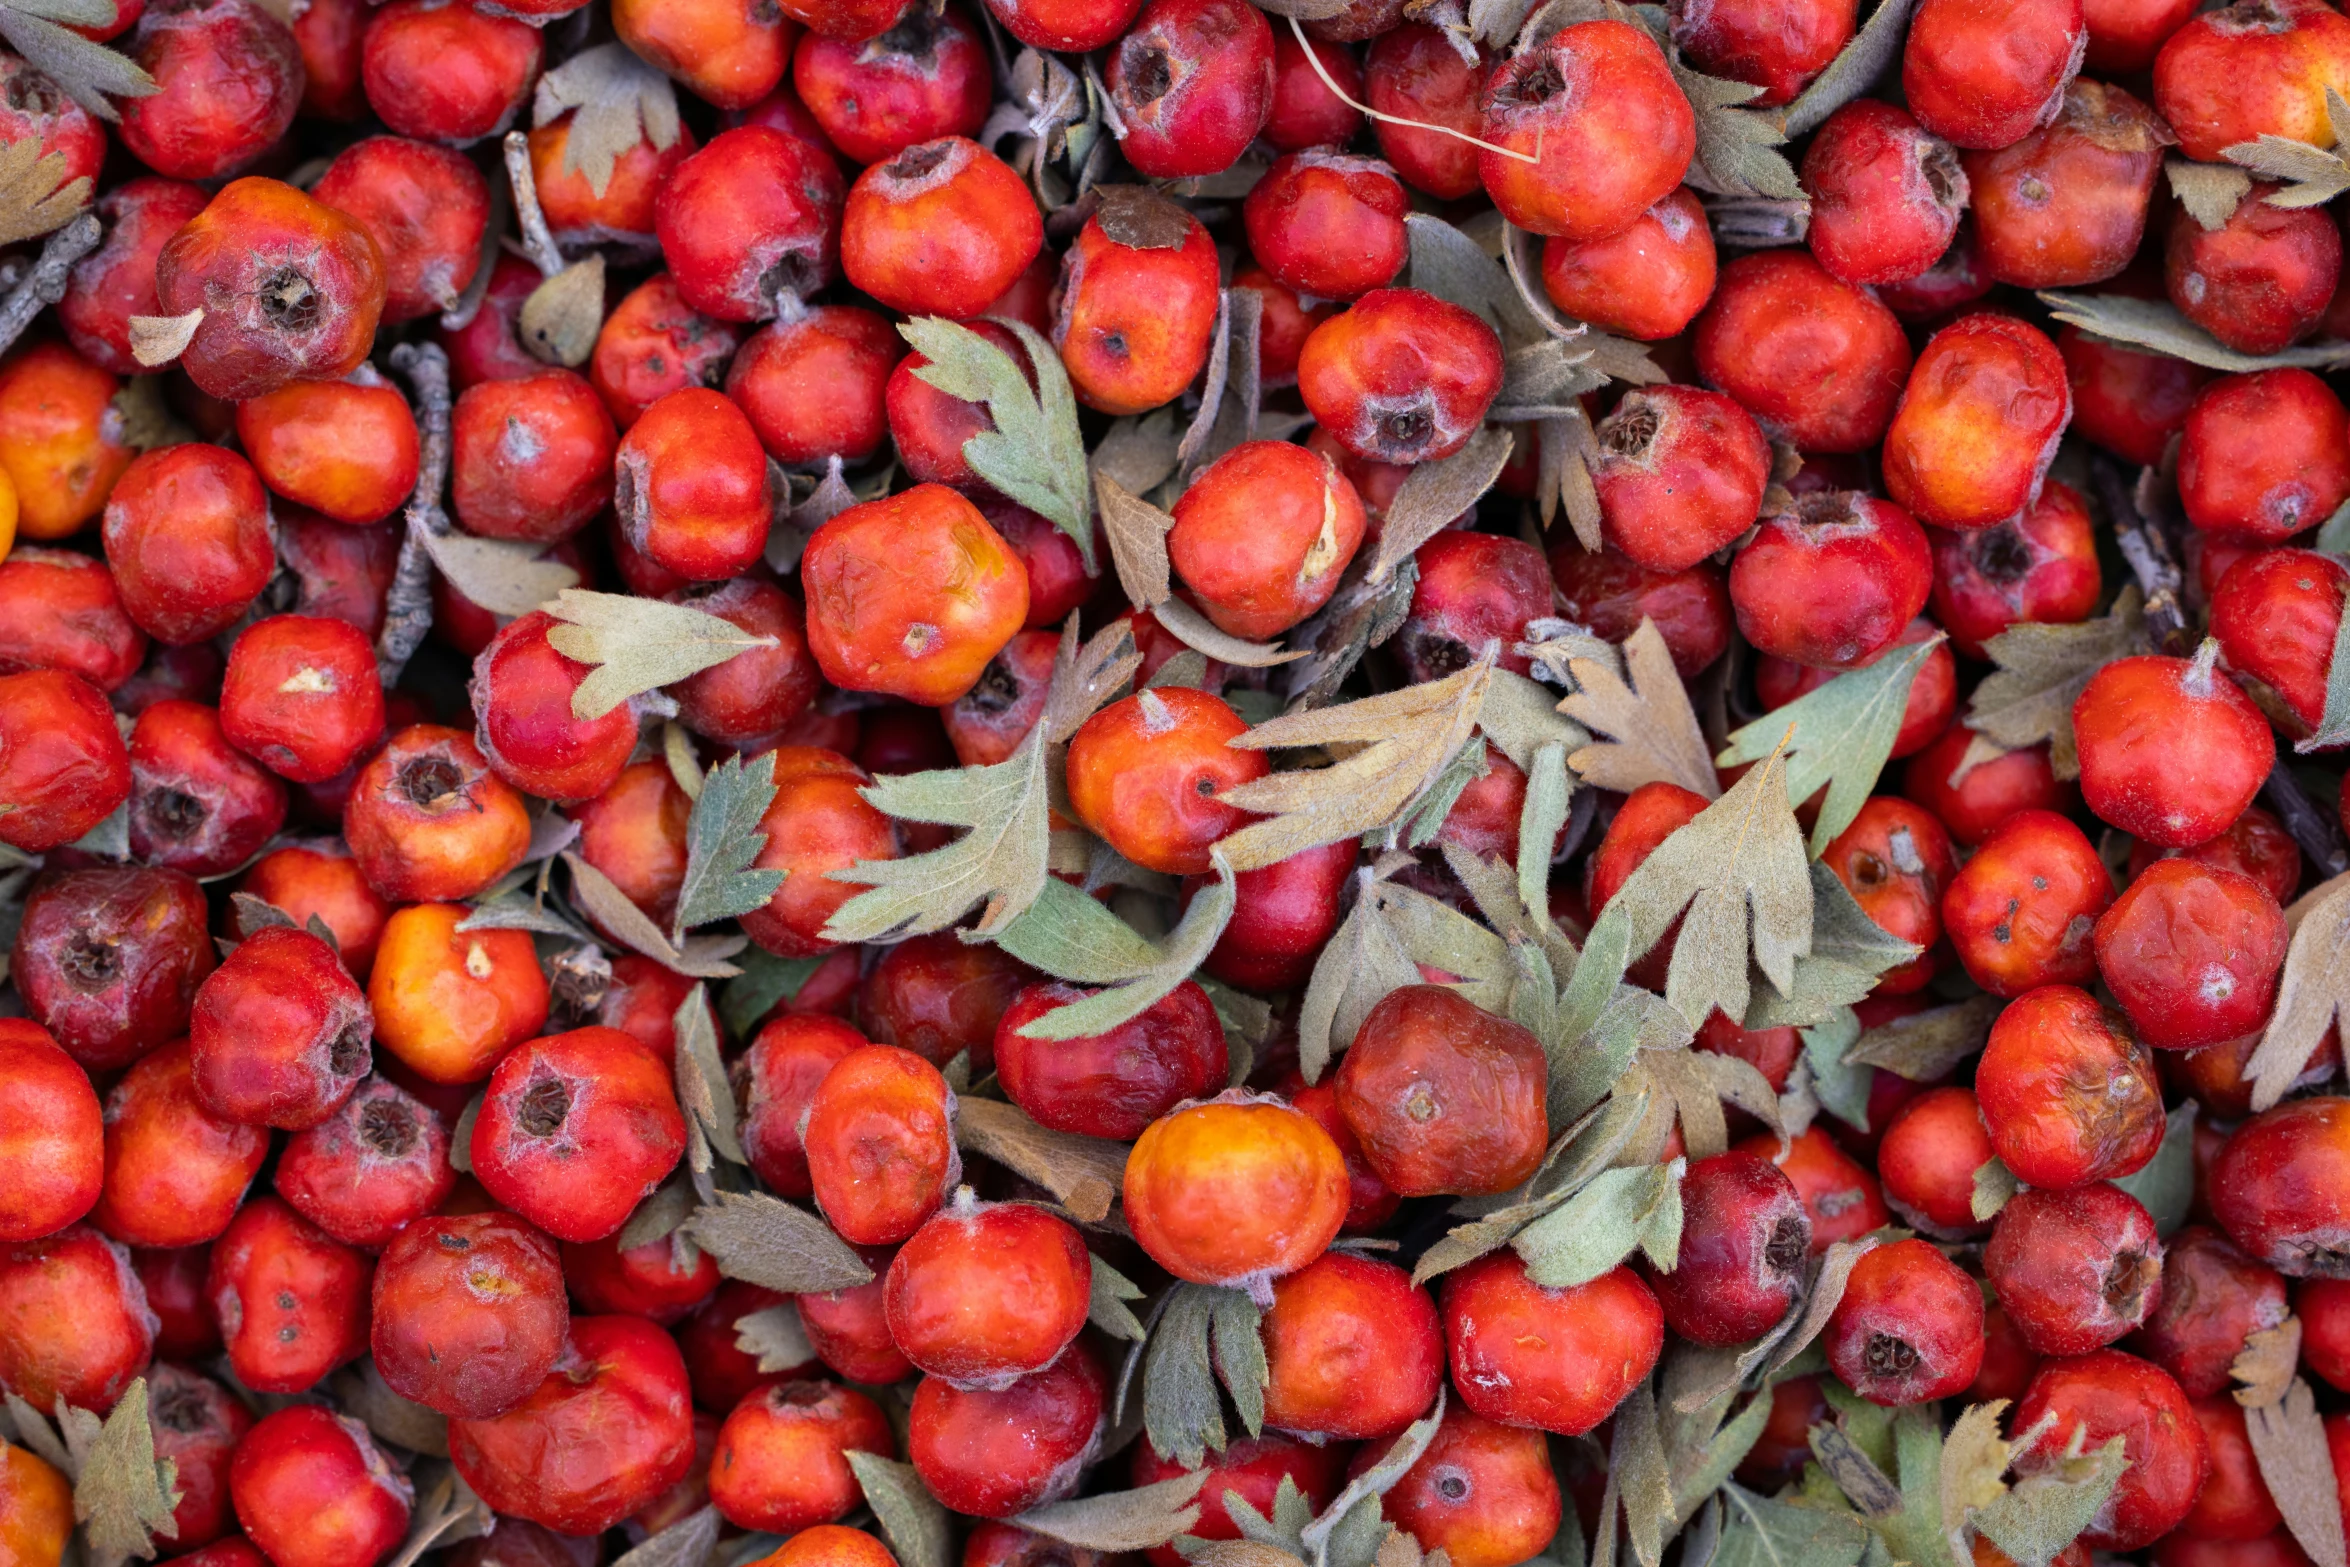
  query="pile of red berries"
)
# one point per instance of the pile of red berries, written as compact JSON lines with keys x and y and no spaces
{"x":1274,"y":783}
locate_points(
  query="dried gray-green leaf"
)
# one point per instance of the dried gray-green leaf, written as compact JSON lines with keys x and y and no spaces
{"x":123,"y":1494}
{"x":620,"y":101}
{"x":1849,"y":952}
{"x":1182,"y":1412}
{"x":1995,"y":1183}
{"x":1654,"y":732}
{"x":774,"y":1337}
{"x":766,"y":980}
{"x":561,"y":318}
{"x":1363,"y":962}
{"x":999,"y":863}
{"x":1034,"y":455}
{"x":1196,"y":631}
{"x":1084,"y":1174}
{"x":2210,"y":192}
{"x":2289,"y":1441}
{"x":89,"y":73}
{"x":2043,"y":1513}
{"x":1437,"y":492}
{"x":1138,"y":1520}
{"x":1644,"y":1480}
{"x":2154,"y":325}
{"x":722,"y":838}
{"x":1760,"y":1532}
{"x":1618,"y":1211}
{"x":688,"y":1542}
{"x":1108,"y":1310}
{"x":1871,"y":53}
{"x":638,"y":645}
{"x":1737,"y":149}
{"x":918,"y":1529}
{"x":2333,"y":728}
{"x":2314,"y":987}
{"x":659,"y":1215}
{"x":601,"y":898}
{"x":702,"y":1089}
{"x":765,"y":1240}
{"x":1406,"y":737}
{"x":1842,"y":736}
{"x":1172,"y":962}
{"x":1365,"y":1489}
{"x":446,"y":1511}
{"x":1455,"y":268}
{"x":1138,"y":454}
{"x":2266,"y":1364}
{"x":1137,"y":533}
{"x":2028,"y":699}
{"x":35,"y":195}
{"x":1927,"y":1046}
{"x":1738,"y":863}
{"x":503,"y":577}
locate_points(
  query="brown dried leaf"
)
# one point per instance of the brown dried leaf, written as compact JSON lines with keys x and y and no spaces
{"x":1436,"y":493}
{"x":1138,"y":216}
{"x":1656,"y":733}
{"x":32,"y":201}
{"x":2315,"y":987}
{"x":157,"y":340}
{"x":364,"y":1395}
{"x":1925,"y":1045}
{"x":2209,"y":191}
{"x":1137,"y":532}
{"x":2266,"y":1364}
{"x":1195,"y":630}
{"x":2289,"y":1440}
{"x":1084,"y":1174}
{"x":563,"y":315}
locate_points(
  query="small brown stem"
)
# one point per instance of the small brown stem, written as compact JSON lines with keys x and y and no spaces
{"x":2149,"y":554}
{"x":537,"y":238}
{"x":408,"y":607}
{"x":45,"y":284}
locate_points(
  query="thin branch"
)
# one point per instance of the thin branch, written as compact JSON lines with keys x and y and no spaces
{"x":1359,"y":107}
{"x":537,"y":238}
{"x":45,"y":284}
{"x":2316,"y":829}
{"x":2149,"y":554}
{"x":408,"y":608}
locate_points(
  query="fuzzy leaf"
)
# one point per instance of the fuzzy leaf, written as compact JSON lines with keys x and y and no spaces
{"x":1995,"y":1184}
{"x":722,"y":838}
{"x":1633,"y":1207}
{"x":2311,"y":175}
{"x":2210,"y":192}
{"x":1456,"y":269}
{"x":1034,"y":455}
{"x":1137,"y":532}
{"x":702,"y":1089}
{"x":123,"y":1494}
{"x":1108,"y":1309}
{"x":2290,"y":1443}
{"x":1849,"y":952}
{"x":1194,"y":630}
{"x":2045,"y":1512}
{"x":2153,"y":325}
{"x":638,"y":645}
{"x":765,"y":1240}
{"x":503,"y":577}
{"x":89,"y":73}
{"x":1437,"y":492}
{"x":1843,"y":735}
{"x":1182,"y":1412}
{"x":1739,"y":860}
{"x":2314,"y":987}
{"x":688,"y":1542}
{"x":1083,"y":1173}
{"x":1926,"y":1046}
{"x":558,"y":323}
{"x":1362,"y":1493}
{"x":1869,"y":55}
{"x":620,"y":102}
{"x":1000,"y":862}
{"x":1737,"y":149}
{"x":1140,"y":986}
{"x":1406,"y":737}
{"x":446,"y":1511}
{"x":1138,"y":1520}
{"x":2266,"y":1364}
{"x":35,"y":196}
{"x":1759,"y":1532}
{"x":700,"y":957}
{"x":1974,"y":1458}
{"x":1656,"y":738}
{"x":919,"y":1531}
{"x":774,"y":1337}
{"x":1361,"y":964}
{"x":2029,"y":698}
{"x":2333,"y":728}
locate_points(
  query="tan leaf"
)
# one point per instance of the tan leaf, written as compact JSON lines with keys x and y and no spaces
{"x":1655,"y":733}
{"x":2289,"y":1440}
{"x":1194,"y":630}
{"x":1140,"y":218}
{"x":1137,"y":532}
{"x":616,"y":101}
{"x":2266,"y":1364}
{"x":158,"y":340}
{"x":1406,"y":737}
{"x":124,"y":1493}
{"x":503,"y":576}
{"x":563,"y":315}
{"x":1084,"y":1174}
{"x":1974,"y":1460}
{"x":1437,"y":492}
{"x":2315,"y":986}
{"x":35,"y":196}
{"x":2209,"y":191}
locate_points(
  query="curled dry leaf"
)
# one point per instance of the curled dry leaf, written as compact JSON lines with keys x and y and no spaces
{"x":2210,"y":192}
{"x":1137,"y":533}
{"x":503,"y":577}
{"x":699,"y":957}
{"x":689,"y":1542}
{"x":638,"y":645}
{"x":1084,"y":1174}
{"x":562,"y":316}
{"x":2266,"y":1364}
{"x":1995,"y":1183}
{"x":774,"y":1337}
{"x":1928,"y":1045}
{"x":2311,"y":176}
{"x":2313,"y":990}
{"x":1406,"y":737}
{"x":2042,"y":669}
{"x":35,"y":196}
{"x":2165,"y":1186}
{"x":1655,"y":737}
{"x":363,"y":1394}
{"x":1194,"y":630}
{"x":1363,"y":962}
{"x":2289,"y":1441}
{"x":1436,"y":493}
{"x":157,"y":340}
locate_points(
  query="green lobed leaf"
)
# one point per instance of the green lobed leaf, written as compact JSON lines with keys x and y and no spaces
{"x":919,"y":1530}
{"x":2045,"y":1512}
{"x":1035,"y":454}
{"x":1182,"y":1412}
{"x":1132,"y":993}
{"x":1108,"y":1310}
{"x":722,"y":838}
{"x":999,"y":862}
{"x":1760,"y":1532}
{"x":638,"y":645}
{"x":123,"y":1493}
{"x":1843,"y":735}
{"x":1617,"y":1211}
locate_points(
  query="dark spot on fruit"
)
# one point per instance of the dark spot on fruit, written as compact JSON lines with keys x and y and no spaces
{"x":997,"y":690}
{"x":1452,"y":1485}
{"x":914,"y":38}
{"x":289,"y":301}
{"x":1632,"y":429}
{"x":915,"y":162}
{"x":1790,"y":1240}
{"x":90,"y":961}
{"x":1407,"y":430}
{"x":428,"y":780}
{"x":180,"y":1407}
{"x":2001,"y":555}
{"x":348,"y":1055}
{"x":1887,"y":1356}
{"x":286,"y":1300}
{"x":1149,"y":73}
{"x":453,"y":1242}
{"x":795,"y":273}
{"x":1940,"y":168}
{"x":174,"y":815}
{"x":1542,"y":83}
{"x":1868,"y":870}
{"x":1114,"y":344}
{"x":388,"y":1127}
{"x":544,"y":1105}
